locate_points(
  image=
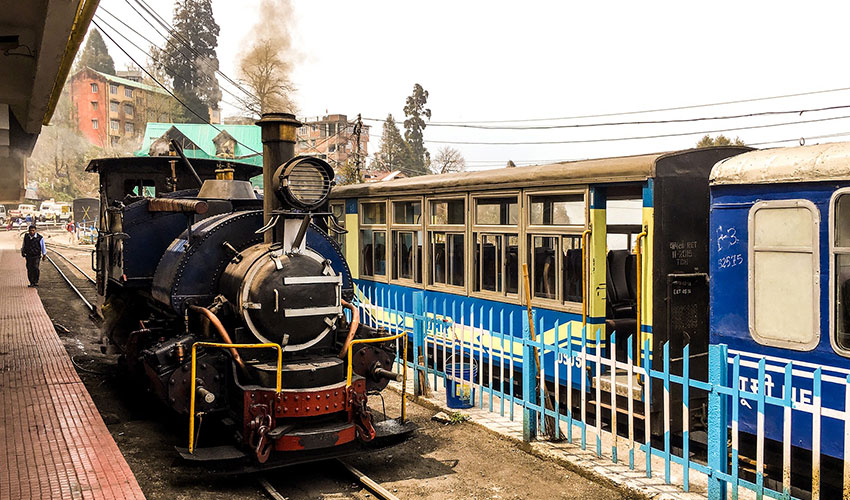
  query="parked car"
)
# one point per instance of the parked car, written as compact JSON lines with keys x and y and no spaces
{"x":2,"y":214}
{"x":23,"y":210}
{"x":47,"y":211}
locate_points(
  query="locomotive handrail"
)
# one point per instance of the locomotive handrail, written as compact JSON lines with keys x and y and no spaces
{"x":404,"y":366}
{"x":584,"y":281}
{"x":192,"y":389}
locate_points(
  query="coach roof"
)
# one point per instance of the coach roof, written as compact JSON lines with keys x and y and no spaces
{"x":822,"y":162}
{"x":626,"y":168}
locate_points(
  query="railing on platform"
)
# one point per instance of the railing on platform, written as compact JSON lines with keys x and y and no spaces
{"x":570,"y":359}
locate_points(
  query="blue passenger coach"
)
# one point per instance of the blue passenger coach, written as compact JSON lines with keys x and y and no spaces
{"x":780,"y":281}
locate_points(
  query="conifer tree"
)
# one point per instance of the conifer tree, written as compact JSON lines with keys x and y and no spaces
{"x":394,"y":152}
{"x":190,"y":58}
{"x":415,"y":114}
{"x":95,"y":55}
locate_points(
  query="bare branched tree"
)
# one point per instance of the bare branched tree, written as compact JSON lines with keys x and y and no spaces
{"x":448,"y":160}
{"x":264,"y":72}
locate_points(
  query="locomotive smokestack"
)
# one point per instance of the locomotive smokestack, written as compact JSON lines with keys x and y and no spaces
{"x":278,"y":134}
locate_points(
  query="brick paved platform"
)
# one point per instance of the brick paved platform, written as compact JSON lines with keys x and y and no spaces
{"x":53,"y":443}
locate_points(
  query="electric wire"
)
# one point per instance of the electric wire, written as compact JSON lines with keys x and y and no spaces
{"x":172,"y":31}
{"x":655,"y":110}
{"x":640,"y":122}
{"x":313,"y":147}
{"x":639,"y":137}
{"x":156,"y":60}
{"x":204,"y":120}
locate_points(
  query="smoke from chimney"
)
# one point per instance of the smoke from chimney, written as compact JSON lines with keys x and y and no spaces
{"x":266,"y":64}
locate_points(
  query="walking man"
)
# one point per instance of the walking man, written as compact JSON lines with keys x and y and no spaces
{"x":33,"y":250}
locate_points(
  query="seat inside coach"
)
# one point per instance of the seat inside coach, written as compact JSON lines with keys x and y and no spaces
{"x":621,"y":292}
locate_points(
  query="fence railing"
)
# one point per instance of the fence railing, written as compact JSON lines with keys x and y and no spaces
{"x":597,"y":396}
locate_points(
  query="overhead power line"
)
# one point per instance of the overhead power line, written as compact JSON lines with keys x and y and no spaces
{"x":655,"y":110}
{"x":177,"y":36}
{"x":639,"y":122}
{"x":204,"y":120}
{"x":632,"y":138}
{"x":242,"y":103}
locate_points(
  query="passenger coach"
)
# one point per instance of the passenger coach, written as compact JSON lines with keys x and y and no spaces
{"x":575,"y":224}
{"x":780,"y":284}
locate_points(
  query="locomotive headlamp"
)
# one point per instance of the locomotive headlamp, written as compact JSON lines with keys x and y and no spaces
{"x":304,"y":182}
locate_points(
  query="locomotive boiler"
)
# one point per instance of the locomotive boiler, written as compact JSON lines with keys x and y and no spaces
{"x":236,"y":307}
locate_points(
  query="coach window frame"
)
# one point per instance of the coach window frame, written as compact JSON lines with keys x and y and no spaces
{"x":815,"y":251}
{"x":559,"y":232}
{"x":374,"y":227}
{"x":446,"y":229}
{"x":505,"y":231}
{"x":418,"y":230}
{"x":833,"y":309}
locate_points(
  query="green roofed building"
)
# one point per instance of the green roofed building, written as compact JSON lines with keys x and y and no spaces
{"x":229,"y":143}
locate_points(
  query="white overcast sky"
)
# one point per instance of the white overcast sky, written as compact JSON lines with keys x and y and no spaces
{"x":524,"y":60}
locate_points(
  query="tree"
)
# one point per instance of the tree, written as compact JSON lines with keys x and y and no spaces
{"x":190,"y":59}
{"x":394,"y":152}
{"x":348,"y":173}
{"x":448,"y":160}
{"x":264,"y":72}
{"x":95,"y":55}
{"x":415,"y":114}
{"x":721,"y":140}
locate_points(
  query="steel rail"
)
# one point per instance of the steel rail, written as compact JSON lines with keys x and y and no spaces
{"x":271,"y":489}
{"x":68,"y":281}
{"x":69,"y":261}
{"x":368,"y":482}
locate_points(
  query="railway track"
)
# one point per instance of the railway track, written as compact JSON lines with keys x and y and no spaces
{"x":84,"y":283}
{"x":370,"y":484}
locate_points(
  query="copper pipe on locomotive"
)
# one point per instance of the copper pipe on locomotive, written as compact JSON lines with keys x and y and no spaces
{"x":355,"y":324}
{"x":213,"y":319}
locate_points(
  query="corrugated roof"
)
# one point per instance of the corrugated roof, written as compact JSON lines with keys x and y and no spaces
{"x":130,"y":83}
{"x":249,"y":146}
{"x":822,"y":162}
{"x":598,"y":170}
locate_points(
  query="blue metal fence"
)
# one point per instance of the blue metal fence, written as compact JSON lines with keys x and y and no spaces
{"x":570,"y":357}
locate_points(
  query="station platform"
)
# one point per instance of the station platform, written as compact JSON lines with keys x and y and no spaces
{"x":53,"y":442}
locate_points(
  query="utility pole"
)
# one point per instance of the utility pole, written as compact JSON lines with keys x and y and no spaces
{"x":357,"y":128}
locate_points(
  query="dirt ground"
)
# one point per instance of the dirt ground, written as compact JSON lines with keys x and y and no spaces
{"x":440,"y":461}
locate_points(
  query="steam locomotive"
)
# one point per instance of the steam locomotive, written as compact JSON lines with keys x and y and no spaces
{"x":236,"y":307}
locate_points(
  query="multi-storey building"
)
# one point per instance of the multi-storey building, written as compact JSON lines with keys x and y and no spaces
{"x":332,"y":138}
{"x":111,"y":108}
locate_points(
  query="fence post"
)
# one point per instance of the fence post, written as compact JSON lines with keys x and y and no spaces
{"x":529,"y":381}
{"x":717,"y":420}
{"x":418,"y":339}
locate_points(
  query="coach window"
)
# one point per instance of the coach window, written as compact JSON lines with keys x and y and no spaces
{"x":446,"y":233}
{"x":495,"y":254}
{"x":373,"y":239}
{"x":407,"y":240}
{"x":555,"y":224}
{"x":783,"y":274}
{"x":840,"y":249}
{"x":338,"y":211}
